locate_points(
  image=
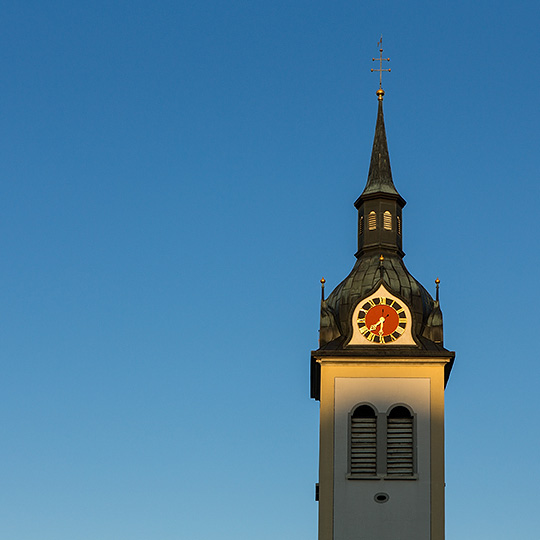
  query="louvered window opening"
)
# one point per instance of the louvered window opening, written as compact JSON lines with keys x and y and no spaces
{"x":361,"y":225}
{"x":398,"y":219}
{"x":364,"y":442}
{"x":372,"y":221}
{"x":387,"y":221}
{"x":400,"y":443}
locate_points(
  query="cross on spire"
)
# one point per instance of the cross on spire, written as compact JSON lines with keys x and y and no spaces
{"x":380,"y":59}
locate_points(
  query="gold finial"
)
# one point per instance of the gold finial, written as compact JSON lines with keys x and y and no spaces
{"x":381,"y":266}
{"x":437,"y":282}
{"x":323,"y":281}
{"x":380,"y":91}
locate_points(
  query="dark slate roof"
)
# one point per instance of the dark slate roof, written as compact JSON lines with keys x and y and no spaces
{"x":370,"y":271}
{"x":380,"y":174}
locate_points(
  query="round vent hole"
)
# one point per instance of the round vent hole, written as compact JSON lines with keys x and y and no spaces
{"x":381,"y":497}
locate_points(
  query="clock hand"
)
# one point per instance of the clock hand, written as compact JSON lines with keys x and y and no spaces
{"x":381,"y":331}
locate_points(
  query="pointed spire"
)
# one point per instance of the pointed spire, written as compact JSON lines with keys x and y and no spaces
{"x":380,"y":174}
{"x":380,"y":205}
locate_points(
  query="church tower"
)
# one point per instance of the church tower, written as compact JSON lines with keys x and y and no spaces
{"x":380,"y":374}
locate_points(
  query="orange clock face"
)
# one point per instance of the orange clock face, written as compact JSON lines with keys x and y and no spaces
{"x":382,"y":320}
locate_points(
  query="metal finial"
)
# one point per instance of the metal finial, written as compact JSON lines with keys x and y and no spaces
{"x":323,"y":281}
{"x":437,"y":282}
{"x":380,"y":91}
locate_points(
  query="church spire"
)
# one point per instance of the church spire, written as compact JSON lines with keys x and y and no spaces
{"x":380,"y":174}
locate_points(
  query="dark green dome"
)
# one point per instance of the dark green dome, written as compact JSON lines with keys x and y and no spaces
{"x":367,"y":275}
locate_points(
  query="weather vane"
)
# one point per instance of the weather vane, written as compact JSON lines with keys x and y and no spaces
{"x":380,"y":59}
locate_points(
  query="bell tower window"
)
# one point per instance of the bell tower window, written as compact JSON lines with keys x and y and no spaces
{"x":387,"y":221}
{"x":399,"y":442}
{"x":398,"y":219}
{"x":361,"y":225}
{"x":372,"y":221}
{"x":363,"y":452}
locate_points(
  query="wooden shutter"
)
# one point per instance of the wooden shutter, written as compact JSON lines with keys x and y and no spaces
{"x":400,"y":443}
{"x":372,"y":221}
{"x":364,"y":441}
{"x":387,"y":221}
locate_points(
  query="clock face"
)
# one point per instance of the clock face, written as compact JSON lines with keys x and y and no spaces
{"x":382,"y":320}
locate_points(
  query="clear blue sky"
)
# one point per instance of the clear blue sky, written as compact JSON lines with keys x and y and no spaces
{"x":175,"y":179}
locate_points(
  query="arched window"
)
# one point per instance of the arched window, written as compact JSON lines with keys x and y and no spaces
{"x":398,"y":219}
{"x":361,"y":225}
{"x":387,"y":221}
{"x":364,"y":441}
{"x":400,"y":442}
{"x":372,"y":221}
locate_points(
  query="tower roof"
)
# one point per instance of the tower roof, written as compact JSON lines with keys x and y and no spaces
{"x":379,"y":182}
{"x":380,"y":200}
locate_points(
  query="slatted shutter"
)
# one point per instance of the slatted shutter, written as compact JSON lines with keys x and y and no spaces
{"x":400,"y":443}
{"x":361,"y":225}
{"x":372,"y":221}
{"x":364,"y":441}
{"x":387,"y":221}
{"x":398,"y":219}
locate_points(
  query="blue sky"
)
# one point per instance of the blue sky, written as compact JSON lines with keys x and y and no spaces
{"x":176,"y":177}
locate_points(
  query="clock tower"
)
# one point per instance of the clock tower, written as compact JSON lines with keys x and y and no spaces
{"x":379,"y":373}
